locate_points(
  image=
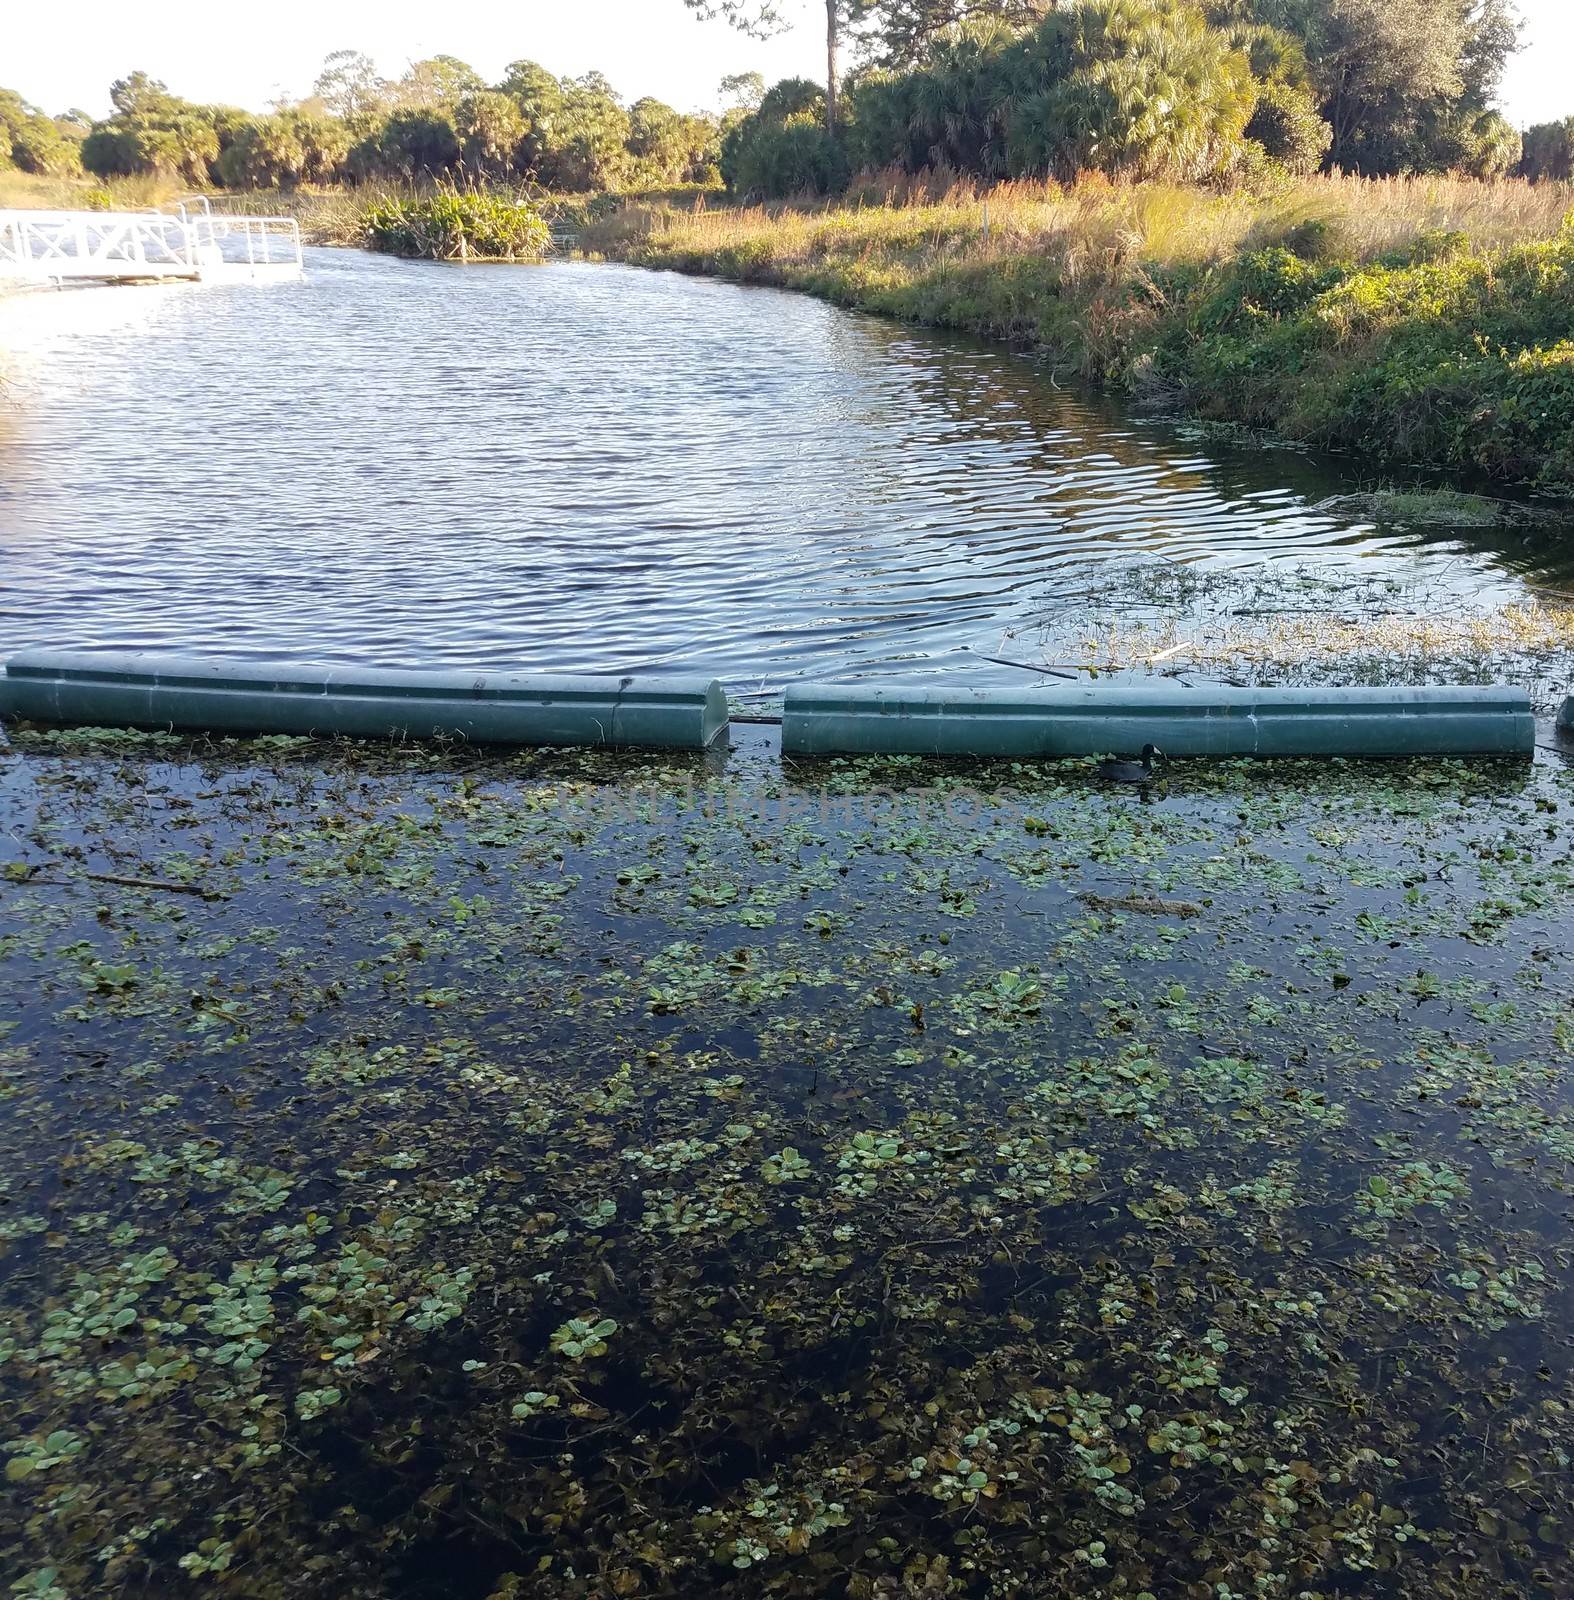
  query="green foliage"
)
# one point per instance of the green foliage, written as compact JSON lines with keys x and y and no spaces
{"x":439,"y":120}
{"x":1549,"y":152}
{"x":782,"y":148}
{"x":1141,"y":89}
{"x":742,"y":90}
{"x":1137,"y":88}
{"x":181,"y":148}
{"x":952,"y":112}
{"x":788,"y":98}
{"x":154,"y":133}
{"x":491,"y":131}
{"x":410,"y":145}
{"x":452,"y":226}
{"x":283,"y":151}
{"x":36,"y":143}
{"x":1402,"y":85}
{"x":1286,"y":123}
{"x":585,"y":146}
{"x":796,"y":157}
{"x":1452,"y":356}
{"x":440,"y":83}
{"x":581,"y":1338}
{"x":665,"y":146}
{"x":349,"y":88}
{"x":1488,"y":145}
{"x":1261,"y":289}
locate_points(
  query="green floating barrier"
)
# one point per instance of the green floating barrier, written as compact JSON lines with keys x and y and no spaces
{"x":86,"y":689}
{"x":1566,"y":716}
{"x":1093,"y":719}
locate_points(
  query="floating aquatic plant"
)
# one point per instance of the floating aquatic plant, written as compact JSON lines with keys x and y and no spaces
{"x":449,"y":1206}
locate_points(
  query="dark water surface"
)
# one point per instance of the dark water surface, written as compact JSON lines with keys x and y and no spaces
{"x":524,"y":1176}
{"x":596,"y":468}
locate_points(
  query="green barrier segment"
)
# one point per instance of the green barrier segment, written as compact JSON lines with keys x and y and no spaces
{"x":1566,"y":716}
{"x":86,"y":689}
{"x":1096,"y":719}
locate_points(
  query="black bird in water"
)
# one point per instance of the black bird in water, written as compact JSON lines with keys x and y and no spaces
{"x":1118,"y":770}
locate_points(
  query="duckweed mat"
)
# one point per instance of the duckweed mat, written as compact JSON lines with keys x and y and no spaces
{"x":433,"y":1174}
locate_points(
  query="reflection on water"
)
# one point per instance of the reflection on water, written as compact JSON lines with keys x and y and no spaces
{"x":594,"y":468}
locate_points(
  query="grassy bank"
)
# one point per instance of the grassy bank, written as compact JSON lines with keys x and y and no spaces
{"x":28,"y":191}
{"x":1424,"y":320}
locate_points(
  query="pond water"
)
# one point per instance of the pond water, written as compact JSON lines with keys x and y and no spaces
{"x":597,"y":468}
{"x":480,"y":1175}
{"x":473,"y":1174}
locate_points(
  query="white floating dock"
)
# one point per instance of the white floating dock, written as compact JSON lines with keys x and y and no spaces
{"x":192,"y":242}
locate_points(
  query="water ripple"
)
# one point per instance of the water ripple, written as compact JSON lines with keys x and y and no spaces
{"x":586,"y":467}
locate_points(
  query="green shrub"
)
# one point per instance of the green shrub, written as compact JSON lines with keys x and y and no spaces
{"x":1431,"y":245}
{"x":1548,"y":152}
{"x":35,"y":143}
{"x":411,"y":145}
{"x":282,"y":152}
{"x":796,"y":157}
{"x":1133,"y":88}
{"x":1452,"y":356}
{"x":782,"y":148}
{"x":1265,"y":286}
{"x":452,"y":226}
{"x":1290,"y":129}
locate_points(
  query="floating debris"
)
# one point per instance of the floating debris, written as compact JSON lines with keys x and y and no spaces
{"x":1273,"y":626}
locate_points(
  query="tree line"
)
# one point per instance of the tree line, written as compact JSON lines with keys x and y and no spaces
{"x":1190,"y":89}
{"x":441,"y":119}
{"x":1195,"y":90}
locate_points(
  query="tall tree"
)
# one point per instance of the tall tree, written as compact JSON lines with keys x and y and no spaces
{"x":491,"y":131}
{"x":1397,"y":81}
{"x":35,"y":142}
{"x":437,"y":84}
{"x":154,"y":131}
{"x":741,"y":91}
{"x":138,"y":95}
{"x":351,"y":89}
{"x":763,"y":18}
{"x":539,"y":97}
{"x":1549,"y":152}
{"x":901,"y":33}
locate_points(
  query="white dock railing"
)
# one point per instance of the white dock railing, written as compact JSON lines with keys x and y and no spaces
{"x":115,"y":246}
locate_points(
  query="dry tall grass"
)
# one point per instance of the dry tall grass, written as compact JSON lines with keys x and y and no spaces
{"x":27,"y":191}
{"x":1093,"y":221}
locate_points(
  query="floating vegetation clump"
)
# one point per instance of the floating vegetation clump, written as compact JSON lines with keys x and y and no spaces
{"x":434,"y":1174}
{"x":1305,"y":627}
{"x":456,"y":225}
{"x":1445,"y":508}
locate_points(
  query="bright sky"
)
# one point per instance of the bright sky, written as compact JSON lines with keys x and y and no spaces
{"x":66,"y":55}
